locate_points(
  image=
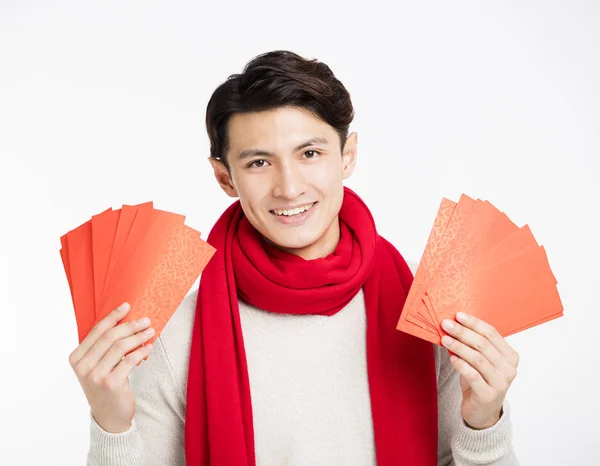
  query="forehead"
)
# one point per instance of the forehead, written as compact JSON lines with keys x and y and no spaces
{"x":279,"y":128}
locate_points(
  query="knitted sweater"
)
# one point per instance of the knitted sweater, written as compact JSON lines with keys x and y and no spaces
{"x":310,"y":397}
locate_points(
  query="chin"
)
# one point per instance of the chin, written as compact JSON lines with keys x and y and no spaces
{"x":297,"y":242}
{"x":290,"y":237}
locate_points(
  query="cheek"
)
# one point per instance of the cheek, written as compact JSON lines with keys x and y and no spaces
{"x":251,"y":192}
{"x":327,"y":179}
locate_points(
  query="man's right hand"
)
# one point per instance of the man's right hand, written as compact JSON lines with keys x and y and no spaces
{"x":103,"y":362}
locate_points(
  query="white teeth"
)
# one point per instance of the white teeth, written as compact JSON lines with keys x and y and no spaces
{"x":296,"y":211}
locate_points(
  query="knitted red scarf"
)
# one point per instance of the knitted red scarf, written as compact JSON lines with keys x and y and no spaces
{"x":401,"y":370}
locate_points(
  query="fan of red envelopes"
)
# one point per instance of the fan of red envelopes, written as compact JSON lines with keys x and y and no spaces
{"x":137,"y":254}
{"x":478,"y":261}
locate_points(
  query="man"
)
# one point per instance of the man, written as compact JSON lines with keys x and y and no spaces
{"x":288,"y":353}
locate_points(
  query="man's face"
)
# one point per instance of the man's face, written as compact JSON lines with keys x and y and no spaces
{"x":287,"y":168}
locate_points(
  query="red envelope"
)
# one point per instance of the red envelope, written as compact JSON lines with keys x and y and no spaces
{"x":137,"y":254}
{"x":478,"y":261}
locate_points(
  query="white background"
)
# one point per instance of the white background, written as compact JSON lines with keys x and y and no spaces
{"x":102,"y":103}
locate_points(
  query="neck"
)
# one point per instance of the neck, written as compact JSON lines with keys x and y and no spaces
{"x":322,"y":247}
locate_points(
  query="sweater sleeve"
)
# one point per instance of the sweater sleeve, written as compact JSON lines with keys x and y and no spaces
{"x":156,"y":436}
{"x":458,"y":444}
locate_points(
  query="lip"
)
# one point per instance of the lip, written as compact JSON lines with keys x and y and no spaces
{"x":295,"y":219}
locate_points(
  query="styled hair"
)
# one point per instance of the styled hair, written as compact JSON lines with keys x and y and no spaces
{"x":276,"y":79}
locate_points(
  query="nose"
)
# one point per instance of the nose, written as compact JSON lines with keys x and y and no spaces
{"x":290,"y":182}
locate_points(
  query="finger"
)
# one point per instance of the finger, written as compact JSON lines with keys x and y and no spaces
{"x":124,"y":368}
{"x":479,"y":386}
{"x":491,"y":333}
{"x":476,"y":341}
{"x":99,"y":329}
{"x":476,"y":360}
{"x":91,"y":359}
{"x":121,"y":349}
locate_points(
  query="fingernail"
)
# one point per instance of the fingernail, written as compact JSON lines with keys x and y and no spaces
{"x":144,"y":321}
{"x":149,"y":331}
{"x":446,"y":340}
{"x":447,"y":324}
{"x":461,"y":316}
{"x":124,"y":307}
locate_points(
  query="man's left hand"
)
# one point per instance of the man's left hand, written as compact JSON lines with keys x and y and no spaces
{"x":487,"y":367}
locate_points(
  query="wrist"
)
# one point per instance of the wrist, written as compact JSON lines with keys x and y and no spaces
{"x":487,"y":423}
{"x":111,"y":427}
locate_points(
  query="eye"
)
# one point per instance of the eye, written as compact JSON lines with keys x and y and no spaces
{"x":310,"y":154}
{"x":257,"y":163}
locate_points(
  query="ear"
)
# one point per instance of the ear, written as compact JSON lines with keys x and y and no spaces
{"x":350,"y":154}
{"x":223,"y":177}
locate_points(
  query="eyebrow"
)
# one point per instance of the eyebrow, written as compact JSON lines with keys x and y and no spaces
{"x":253,"y":152}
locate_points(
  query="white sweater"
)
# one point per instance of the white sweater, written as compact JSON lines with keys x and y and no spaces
{"x":309,"y":392}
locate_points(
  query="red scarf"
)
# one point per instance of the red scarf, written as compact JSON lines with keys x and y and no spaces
{"x":401,"y":369}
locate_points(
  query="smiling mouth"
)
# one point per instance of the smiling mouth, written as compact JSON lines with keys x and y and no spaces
{"x":292,"y":212}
